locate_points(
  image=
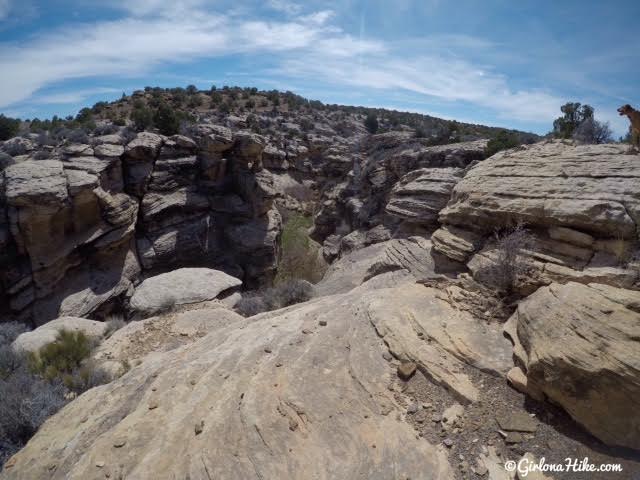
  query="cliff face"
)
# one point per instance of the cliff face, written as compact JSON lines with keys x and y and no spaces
{"x":80,"y":227}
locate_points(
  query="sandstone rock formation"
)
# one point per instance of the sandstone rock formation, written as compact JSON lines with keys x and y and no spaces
{"x":179,"y":287}
{"x":399,"y":185}
{"x":36,"y":339}
{"x":579,"y":202}
{"x":78,"y":230}
{"x":256,"y":398}
{"x":580,"y":346}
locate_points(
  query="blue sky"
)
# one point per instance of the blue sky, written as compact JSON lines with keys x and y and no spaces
{"x":498,"y":62}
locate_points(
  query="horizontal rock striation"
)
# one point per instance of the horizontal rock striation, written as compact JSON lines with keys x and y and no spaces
{"x":79,"y":229}
{"x":581,"y":204}
{"x":580,"y":346}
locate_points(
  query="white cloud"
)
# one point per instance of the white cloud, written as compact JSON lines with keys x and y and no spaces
{"x":285,"y":6}
{"x":308,"y":47}
{"x":74,"y":96}
{"x":444,"y":78}
{"x":5,"y":8}
{"x":135,"y":45}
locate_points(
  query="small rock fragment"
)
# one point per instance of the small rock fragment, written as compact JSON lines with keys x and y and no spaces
{"x":413,"y":408}
{"x":448,"y":442}
{"x":199,"y":426}
{"x":513,"y":437}
{"x":517,"y":422}
{"x":120,"y":442}
{"x":322,"y":323}
{"x":406,"y":370}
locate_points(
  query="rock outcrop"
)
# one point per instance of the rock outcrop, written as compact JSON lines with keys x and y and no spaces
{"x":580,"y":203}
{"x":256,"y":398}
{"x":79,"y":230}
{"x":399,"y":184}
{"x":580,"y":346}
{"x":260,"y":397}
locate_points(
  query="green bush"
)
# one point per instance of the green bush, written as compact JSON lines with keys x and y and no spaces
{"x":8,"y":127}
{"x":298,"y":253}
{"x":502,"y":141}
{"x":167,"y":120}
{"x":371,"y":123}
{"x":61,"y":357}
{"x":142,"y":118}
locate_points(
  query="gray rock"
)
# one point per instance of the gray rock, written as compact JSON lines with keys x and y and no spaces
{"x":36,"y":339}
{"x":179,"y":287}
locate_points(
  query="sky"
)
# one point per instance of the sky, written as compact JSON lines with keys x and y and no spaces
{"x":498,"y":62}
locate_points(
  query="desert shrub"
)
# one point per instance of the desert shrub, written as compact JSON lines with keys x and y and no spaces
{"x":167,"y":120}
{"x":142,"y":117}
{"x":573,"y":115}
{"x":9,"y":361}
{"x":62,"y":356}
{"x":77,"y":135}
{"x":281,"y":295}
{"x":5,"y":160}
{"x":84,"y":377}
{"x":194,"y":101}
{"x":502,"y":141}
{"x":27,"y":401}
{"x":288,"y":293}
{"x":251,"y":304}
{"x":591,"y":131}
{"x":107,"y":128}
{"x":509,"y":263}
{"x":371,"y":123}
{"x":298,"y":253}
{"x":114,"y":323}
{"x":9,"y":127}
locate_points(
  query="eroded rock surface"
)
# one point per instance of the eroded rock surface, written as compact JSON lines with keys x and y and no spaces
{"x":257,"y":398}
{"x":179,"y":287}
{"x":580,"y":346}
{"x":580,"y":203}
{"x":79,"y":230}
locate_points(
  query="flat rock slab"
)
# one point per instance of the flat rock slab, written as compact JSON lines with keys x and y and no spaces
{"x":179,"y":287}
{"x":517,"y":422}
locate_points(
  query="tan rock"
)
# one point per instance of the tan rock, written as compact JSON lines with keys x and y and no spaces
{"x":579,"y":344}
{"x":236,"y":422}
{"x":36,"y":339}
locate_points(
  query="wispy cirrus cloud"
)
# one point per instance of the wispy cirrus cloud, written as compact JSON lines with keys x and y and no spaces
{"x":5,"y":8}
{"x":285,"y":6}
{"x":136,"y":45}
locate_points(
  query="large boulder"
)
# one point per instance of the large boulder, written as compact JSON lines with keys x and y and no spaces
{"x":43,"y":335}
{"x":589,"y":188}
{"x":580,"y":346}
{"x":179,"y":287}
